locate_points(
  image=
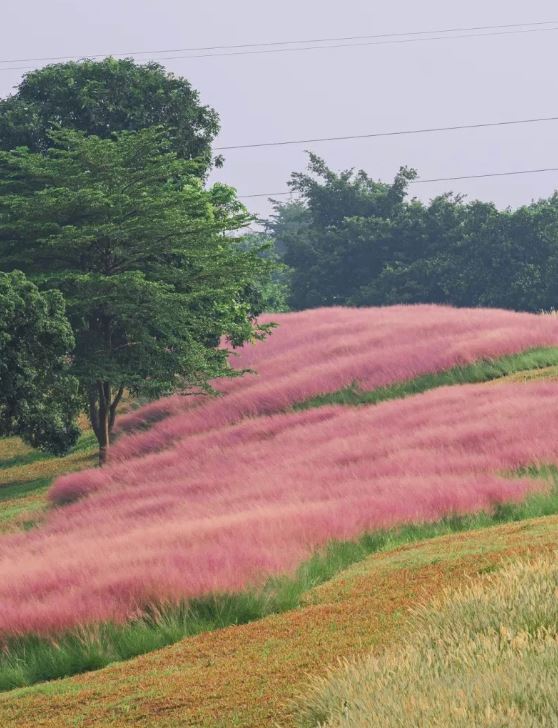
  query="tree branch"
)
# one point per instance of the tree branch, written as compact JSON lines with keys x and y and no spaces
{"x":93,"y":413}
{"x":114,"y":406}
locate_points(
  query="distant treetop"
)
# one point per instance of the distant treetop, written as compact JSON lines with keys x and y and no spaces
{"x":104,"y":97}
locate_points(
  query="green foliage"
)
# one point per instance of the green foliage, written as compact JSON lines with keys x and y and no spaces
{"x":104,"y":97}
{"x":269,"y":293}
{"x":139,"y":249}
{"x":353,"y":241}
{"x":38,"y":398}
{"x":31,"y":659}
{"x":479,"y":371}
{"x":339,"y":242}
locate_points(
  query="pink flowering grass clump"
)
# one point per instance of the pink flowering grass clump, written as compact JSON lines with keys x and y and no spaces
{"x":223,"y":509}
{"x":323,"y":350}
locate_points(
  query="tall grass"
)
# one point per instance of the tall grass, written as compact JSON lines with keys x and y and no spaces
{"x":484,"y":656}
{"x":31,"y":659}
{"x":230,"y":507}
{"x":326,"y":350}
{"x":485,"y":370}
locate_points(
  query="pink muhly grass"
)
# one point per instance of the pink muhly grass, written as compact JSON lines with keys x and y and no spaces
{"x":323,"y":350}
{"x":225,"y":508}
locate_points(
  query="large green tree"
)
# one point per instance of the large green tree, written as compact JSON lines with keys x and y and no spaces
{"x":142,"y":253}
{"x":104,"y":97}
{"x":38,"y":396}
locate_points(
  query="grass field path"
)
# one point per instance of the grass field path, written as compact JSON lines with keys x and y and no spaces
{"x":249,"y":675}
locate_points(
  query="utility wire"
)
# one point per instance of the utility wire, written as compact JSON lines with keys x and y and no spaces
{"x":358,"y":45}
{"x":488,"y":174}
{"x":328,"y":46}
{"x":436,"y":179}
{"x":280,"y":42}
{"x":375,"y":135}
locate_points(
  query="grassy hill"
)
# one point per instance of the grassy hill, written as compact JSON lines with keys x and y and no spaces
{"x":434,"y":470}
{"x":483,"y":655}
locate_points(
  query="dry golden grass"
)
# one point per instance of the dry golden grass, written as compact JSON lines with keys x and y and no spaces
{"x":529,"y":376}
{"x":485,"y":655}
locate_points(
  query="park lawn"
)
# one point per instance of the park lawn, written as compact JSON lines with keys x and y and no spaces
{"x":250,"y":675}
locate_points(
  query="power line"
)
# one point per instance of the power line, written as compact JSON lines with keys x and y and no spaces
{"x":436,"y":179}
{"x":281,"y":42}
{"x":321,"y":47}
{"x":375,"y":135}
{"x":358,"y":45}
{"x":488,"y":174}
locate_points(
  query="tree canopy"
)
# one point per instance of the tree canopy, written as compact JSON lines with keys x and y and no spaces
{"x":352,"y":241}
{"x":104,"y":97}
{"x":269,"y":291}
{"x":38,"y":396}
{"x":337,"y":240}
{"x":143,"y":256}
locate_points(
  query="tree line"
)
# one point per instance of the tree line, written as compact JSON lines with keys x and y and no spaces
{"x":349,"y":240}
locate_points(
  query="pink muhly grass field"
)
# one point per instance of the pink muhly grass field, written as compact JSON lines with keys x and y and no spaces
{"x":323,"y":350}
{"x":227,"y":507}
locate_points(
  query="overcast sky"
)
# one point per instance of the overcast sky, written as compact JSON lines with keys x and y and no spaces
{"x":336,"y":91}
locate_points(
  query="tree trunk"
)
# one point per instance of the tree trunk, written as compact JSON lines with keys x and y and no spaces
{"x":102,"y":415}
{"x":112,"y":409}
{"x":103,"y":434}
{"x":104,"y":439}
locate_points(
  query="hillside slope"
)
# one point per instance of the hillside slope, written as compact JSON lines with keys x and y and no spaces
{"x":224,"y":495}
{"x":230,"y":507}
{"x":325,"y":350}
{"x":25,"y":477}
{"x":484,"y":655}
{"x":249,"y":675}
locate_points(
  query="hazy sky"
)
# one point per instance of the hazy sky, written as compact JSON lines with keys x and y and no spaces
{"x":336,"y":91}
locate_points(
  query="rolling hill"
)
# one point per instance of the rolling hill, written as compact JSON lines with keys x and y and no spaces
{"x":356,"y":431}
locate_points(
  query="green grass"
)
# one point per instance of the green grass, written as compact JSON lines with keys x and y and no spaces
{"x":29,"y":456}
{"x":14,"y":510}
{"x":26,"y":474}
{"x":485,"y":370}
{"x":19,"y":489}
{"x":26,"y":458}
{"x":32,"y":659}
